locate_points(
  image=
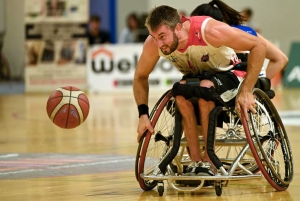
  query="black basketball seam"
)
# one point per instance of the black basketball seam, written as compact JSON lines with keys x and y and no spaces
{"x":69,"y":96}
{"x":69,"y":107}
{"x":57,"y":111}
{"x":83,"y":101}
{"x":54,"y":98}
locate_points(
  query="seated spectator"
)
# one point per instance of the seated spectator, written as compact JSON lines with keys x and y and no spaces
{"x":129,"y":33}
{"x":95,"y":34}
{"x":247,"y":13}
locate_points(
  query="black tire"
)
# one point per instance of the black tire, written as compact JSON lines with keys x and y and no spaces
{"x":218,"y":190}
{"x":269,"y":142}
{"x":160,"y":190}
{"x":151,"y":149}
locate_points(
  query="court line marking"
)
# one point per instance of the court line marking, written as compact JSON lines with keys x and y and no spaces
{"x":290,"y":117}
{"x":289,"y":113}
{"x":9,"y":155}
{"x":70,"y":166}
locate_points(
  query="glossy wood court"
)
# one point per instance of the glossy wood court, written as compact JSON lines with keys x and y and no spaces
{"x":39,"y":161}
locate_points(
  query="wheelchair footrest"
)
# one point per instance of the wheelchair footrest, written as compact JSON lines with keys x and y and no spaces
{"x":194,"y":182}
{"x":182,"y":177}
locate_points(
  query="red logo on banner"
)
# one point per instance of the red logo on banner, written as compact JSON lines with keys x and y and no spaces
{"x":102,"y":50}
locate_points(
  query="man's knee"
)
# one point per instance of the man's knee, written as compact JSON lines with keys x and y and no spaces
{"x":206,"y":83}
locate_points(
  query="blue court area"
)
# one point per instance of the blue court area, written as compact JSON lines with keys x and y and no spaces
{"x":12,"y":87}
{"x":21,"y":166}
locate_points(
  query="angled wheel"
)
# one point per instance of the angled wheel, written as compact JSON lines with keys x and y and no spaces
{"x":269,"y":142}
{"x":218,"y":190}
{"x":230,"y":140}
{"x":153,"y":147}
{"x":160,"y":188}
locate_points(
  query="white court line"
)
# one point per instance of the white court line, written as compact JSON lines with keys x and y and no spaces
{"x":9,"y":155}
{"x":290,"y":117}
{"x":70,"y":166}
{"x":289,"y":113}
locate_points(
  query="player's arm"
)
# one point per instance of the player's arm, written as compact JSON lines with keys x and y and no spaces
{"x":145,"y":65}
{"x":218,"y":34}
{"x":277,"y":59}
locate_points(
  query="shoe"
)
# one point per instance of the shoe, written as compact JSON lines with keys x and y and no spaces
{"x":198,"y":168}
{"x":203,"y":171}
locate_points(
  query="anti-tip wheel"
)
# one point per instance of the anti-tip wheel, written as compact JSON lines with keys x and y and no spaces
{"x":160,"y":188}
{"x":218,"y":190}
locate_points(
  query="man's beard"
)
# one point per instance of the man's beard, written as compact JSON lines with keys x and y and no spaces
{"x":173,"y":46}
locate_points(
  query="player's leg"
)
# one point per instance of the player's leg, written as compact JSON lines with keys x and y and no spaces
{"x":189,"y":122}
{"x":205,"y":107}
{"x":225,"y":84}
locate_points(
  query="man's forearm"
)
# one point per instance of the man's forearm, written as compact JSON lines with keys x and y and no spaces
{"x":141,"y":90}
{"x":255,"y":63}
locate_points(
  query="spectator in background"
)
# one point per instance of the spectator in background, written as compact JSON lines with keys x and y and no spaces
{"x":222,"y":12}
{"x":95,"y":34}
{"x":247,"y":13}
{"x":129,"y":33}
{"x":182,"y":13}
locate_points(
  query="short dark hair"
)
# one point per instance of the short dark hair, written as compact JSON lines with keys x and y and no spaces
{"x":95,"y":18}
{"x":162,"y":15}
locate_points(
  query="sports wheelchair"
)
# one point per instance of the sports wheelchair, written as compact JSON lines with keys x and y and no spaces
{"x":238,"y":149}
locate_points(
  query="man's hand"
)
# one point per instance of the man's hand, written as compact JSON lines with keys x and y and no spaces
{"x":244,"y":102}
{"x":144,"y":124}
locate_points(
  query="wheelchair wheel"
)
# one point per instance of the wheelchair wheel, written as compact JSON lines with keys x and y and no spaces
{"x":152,"y":148}
{"x":269,"y":142}
{"x":230,"y":140}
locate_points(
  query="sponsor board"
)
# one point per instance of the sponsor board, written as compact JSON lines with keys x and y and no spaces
{"x":291,"y":76}
{"x":112,"y":67}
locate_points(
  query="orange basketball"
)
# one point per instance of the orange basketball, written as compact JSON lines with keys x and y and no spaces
{"x":68,"y":107}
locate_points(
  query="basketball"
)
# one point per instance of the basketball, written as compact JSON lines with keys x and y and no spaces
{"x":68,"y":107}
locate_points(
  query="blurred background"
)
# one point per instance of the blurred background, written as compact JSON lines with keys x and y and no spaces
{"x":276,"y":20}
{"x":94,"y":45}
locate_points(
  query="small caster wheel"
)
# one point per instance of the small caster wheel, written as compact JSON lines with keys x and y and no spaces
{"x":160,"y":188}
{"x":218,"y":190}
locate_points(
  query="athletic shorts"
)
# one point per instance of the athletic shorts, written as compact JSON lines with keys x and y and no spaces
{"x":226,"y":85}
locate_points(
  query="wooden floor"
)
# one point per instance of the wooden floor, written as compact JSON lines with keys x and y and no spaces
{"x":39,"y":161}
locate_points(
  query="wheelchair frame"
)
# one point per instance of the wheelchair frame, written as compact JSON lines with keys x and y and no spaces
{"x":247,"y":148}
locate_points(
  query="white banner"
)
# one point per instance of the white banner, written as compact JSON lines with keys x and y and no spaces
{"x":111,"y":68}
{"x":56,"y":44}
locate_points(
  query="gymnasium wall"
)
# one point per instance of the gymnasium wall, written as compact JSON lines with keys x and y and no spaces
{"x":278,"y":19}
{"x":2,"y":16}
{"x":14,"y":39}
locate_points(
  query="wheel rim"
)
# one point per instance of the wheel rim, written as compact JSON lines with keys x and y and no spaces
{"x":269,"y":143}
{"x":155,"y":146}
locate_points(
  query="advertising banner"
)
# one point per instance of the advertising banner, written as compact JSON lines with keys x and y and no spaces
{"x":56,"y":44}
{"x":291,"y":76}
{"x":111,"y":68}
